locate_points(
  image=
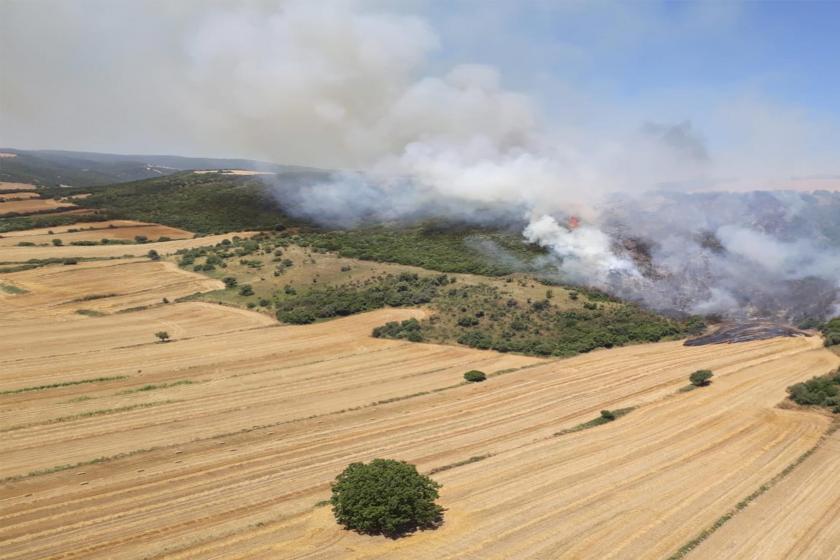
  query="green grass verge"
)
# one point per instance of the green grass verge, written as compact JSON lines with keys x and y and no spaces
{"x":63,"y":384}
{"x":601,"y":420}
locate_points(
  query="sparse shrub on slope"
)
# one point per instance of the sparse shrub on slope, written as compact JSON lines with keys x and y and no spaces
{"x":385,"y":497}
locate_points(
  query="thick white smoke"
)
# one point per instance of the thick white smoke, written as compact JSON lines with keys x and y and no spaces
{"x":340,"y":85}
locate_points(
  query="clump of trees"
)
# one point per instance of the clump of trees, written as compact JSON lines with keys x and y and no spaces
{"x":818,"y":391}
{"x":409,"y":329}
{"x":701,"y":377}
{"x":484,"y":317}
{"x":831,"y":332}
{"x":475,"y":376}
{"x":390,"y":290}
{"x":385,"y":497}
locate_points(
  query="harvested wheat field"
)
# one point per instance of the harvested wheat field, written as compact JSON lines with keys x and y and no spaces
{"x":22,"y":254}
{"x":7,"y":186}
{"x":23,"y":195}
{"x":220,"y":443}
{"x":32,"y":206}
{"x":78,"y":226}
{"x":86,"y":233}
{"x":103,"y":286}
{"x":797,"y":519}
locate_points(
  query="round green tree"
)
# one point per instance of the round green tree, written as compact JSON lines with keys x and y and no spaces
{"x":385,"y":497}
{"x":701,"y":377}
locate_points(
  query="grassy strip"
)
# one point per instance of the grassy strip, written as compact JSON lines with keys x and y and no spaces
{"x":90,"y":313}
{"x":91,"y":297}
{"x":68,"y":466}
{"x":12,"y":289}
{"x":618,"y":413}
{"x":152,"y":387}
{"x":81,"y":415}
{"x":722,"y":520}
{"x":63,"y":384}
{"x":473,"y":459}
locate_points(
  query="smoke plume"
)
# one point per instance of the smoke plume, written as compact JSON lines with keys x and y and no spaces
{"x":411,"y":133}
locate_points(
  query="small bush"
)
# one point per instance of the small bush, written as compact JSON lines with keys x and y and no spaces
{"x":701,"y":377}
{"x":153,"y":255}
{"x":57,"y":242}
{"x":230,"y":282}
{"x":385,"y":497}
{"x":163,"y":336}
{"x":475,"y":376}
{"x":246,"y":290}
{"x":608,"y":415}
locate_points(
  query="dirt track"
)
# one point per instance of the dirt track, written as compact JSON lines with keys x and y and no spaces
{"x":242,"y":424}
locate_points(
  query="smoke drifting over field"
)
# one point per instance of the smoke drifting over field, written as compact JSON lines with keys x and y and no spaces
{"x":351,"y":86}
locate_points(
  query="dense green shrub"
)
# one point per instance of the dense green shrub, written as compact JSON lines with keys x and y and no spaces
{"x":385,"y":497}
{"x":408,"y":329}
{"x":246,"y":290}
{"x":447,"y":249}
{"x":405,"y":289}
{"x":230,"y":282}
{"x":822,"y":391}
{"x":204,"y":203}
{"x":831,"y":332}
{"x":475,"y":376}
{"x":701,"y":377}
{"x":608,"y":415}
{"x":153,"y":255}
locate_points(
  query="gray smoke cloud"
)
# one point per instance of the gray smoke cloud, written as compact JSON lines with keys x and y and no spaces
{"x":361,"y":87}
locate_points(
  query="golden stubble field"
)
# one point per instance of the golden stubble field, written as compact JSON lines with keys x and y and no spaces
{"x":221,"y":443}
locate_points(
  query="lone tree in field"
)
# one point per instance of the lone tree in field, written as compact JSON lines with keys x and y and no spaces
{"x":163,"y":336}
{"x":153,"y":255}
{"x":475,"y":376}
{"x":701,"y":377}
{"x":385,"y":497}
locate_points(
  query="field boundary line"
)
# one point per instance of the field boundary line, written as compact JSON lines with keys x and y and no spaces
{"x":685,"y":549}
